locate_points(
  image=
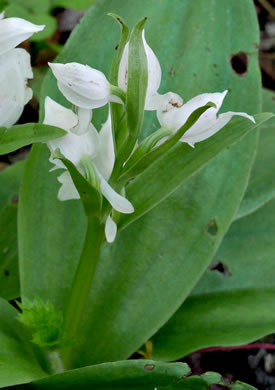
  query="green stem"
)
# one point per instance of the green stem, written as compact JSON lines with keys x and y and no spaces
{"x":82,"y":283}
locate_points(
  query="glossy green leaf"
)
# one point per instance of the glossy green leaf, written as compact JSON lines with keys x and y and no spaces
{"x":76,"y":4}
{"x":10,"y":180}
{"x":51,"y":243}
{"x":33,"y":6}
{"x":21,"y":135}
{"x":122,"y":375}
{"x":17,"y":361}
{"x":234,"y":308}
{"x":261,"y":186}
{"x":173,"y":244}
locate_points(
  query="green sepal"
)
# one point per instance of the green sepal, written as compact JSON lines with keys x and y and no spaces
{"x":136,"y":91}
{"x":22,"y":135}
{"x":139,"y":165}
{"x":124,"y":35}
{"x":90,"y":196}
{"x":147,"y":145}
{"x":118,"y":110}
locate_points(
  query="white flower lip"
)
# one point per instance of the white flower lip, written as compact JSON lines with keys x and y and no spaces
{"x":13,"y":31}
{"x":82,"y":85}
{"x":207,"y":125}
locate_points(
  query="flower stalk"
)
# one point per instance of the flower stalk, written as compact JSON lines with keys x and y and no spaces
{"x":82,"y":284}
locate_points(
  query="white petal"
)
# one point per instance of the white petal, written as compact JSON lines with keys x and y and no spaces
{"x":82,"y":85}
{"x":10,"y":111}
{"x":117,"y":201}
{"x":110,"y":229}
{"x":59,"y":116}
{"x":14,"y":31}
{"x":192,"y":137}
{"x":105,"y":158}
{"x":154,"y":73}
{"x":72,"y":146}
{"x":2,"y":15}
{"x":15,"y":69}
{"x":67,"y":191}
{"x":174,"y":117}
{"x":164,"y":102}
{"x":84,"y":119}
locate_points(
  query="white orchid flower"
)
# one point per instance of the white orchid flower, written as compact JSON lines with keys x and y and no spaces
{"x":85,"y":87}
{"x":15,"y":69}
{"x":153,"y":99}
{"x":207,"y":125}
{"x":98,"y":147}
{"x":13,"y":31}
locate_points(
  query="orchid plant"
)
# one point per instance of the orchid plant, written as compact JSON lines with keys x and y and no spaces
{"x":113,"y":176}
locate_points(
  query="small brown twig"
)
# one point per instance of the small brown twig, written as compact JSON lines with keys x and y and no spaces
{"x":268,"y":7}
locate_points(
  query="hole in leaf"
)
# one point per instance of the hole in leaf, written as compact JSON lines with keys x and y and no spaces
{"x":149,"y":367}
{"x":239,"y":63}
{"x":14,"y":199}
{"x":212,"y":228}
{"x":221,"y":268}
{"x":6,"y":272}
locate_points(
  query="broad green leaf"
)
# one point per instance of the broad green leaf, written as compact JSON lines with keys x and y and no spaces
{"x":76,"y":4}
{"x":10,"y":180}
{"x":33,"y":6}
{"x":21,"y":11}
{"x":17,"y":361}
{"x":174,"y":243}
{"x":122,"y":375}
{"x":228,"y":309}
{"x":261,"y":186}
{"x":43,"y":234}
{"x":21,"y":135}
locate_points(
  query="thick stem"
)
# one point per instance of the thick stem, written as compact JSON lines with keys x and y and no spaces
{"x":82,"y":283}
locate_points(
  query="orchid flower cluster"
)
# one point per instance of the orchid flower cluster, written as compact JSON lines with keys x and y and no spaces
{"x":95,"y":154}
{"x":15,"y":68}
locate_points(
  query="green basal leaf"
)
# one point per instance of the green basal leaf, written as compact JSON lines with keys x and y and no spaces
{"x":21,"y":135}
{"x":18,"y":363}
{"x":10,"y":179}
{"x":75,"y":4}
{"x":231,"y":308}
{"x":176,"y":166}
{"x":122,"y":375}
{"x":89,"y":194}
{"x":261,"y":186}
